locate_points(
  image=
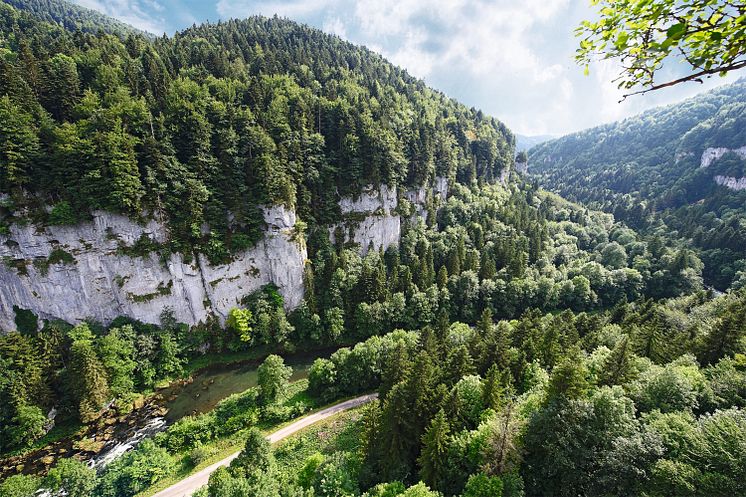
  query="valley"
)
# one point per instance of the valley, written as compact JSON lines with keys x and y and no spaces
{"x":250,"y":258}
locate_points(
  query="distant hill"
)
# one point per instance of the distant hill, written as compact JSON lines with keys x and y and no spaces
{"x":74,"y":17}
{"x":523,"y":142}
{"x":684,"y":164}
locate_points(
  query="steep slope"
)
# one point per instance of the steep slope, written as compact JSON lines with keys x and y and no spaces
{"x":684,"y":164}
{"x":141,"y":174}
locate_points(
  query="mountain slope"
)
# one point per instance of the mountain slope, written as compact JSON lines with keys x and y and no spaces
{"x":74,"y":17}
{"x":682,"y":164}
{"x":162,"y":167}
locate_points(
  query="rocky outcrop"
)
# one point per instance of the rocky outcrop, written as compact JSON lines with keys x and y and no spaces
{"x":85,"y":271}
{"x":371,"y":220}
{"x":737,"y":184}
{"x":92,"y":271}
{"x":712,"y":154}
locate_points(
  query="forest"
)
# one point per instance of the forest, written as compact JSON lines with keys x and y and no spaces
{"x":646,"y":170}
{"x":218,"y":120}
{"x":522,"y":342}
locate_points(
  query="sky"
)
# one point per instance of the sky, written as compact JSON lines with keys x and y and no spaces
{"x":511,"y":58}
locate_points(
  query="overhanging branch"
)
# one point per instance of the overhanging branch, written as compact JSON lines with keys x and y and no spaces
{"x":692,"y":77}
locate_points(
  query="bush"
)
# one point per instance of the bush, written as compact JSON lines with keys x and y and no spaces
{"x":73,"y":477}
{"x":188,"y":432}
{"x":135,"y":471}
{"x":322,"y":379}
{"x":59,"y":255}
{"x":277,"y":413}
{"x":200,"y":454}
{"x":236,"y":412}
{"x":62,"y":214}
{"x":26,"y":321}
{"x":19,"y":486}
{"x":481,"y":485}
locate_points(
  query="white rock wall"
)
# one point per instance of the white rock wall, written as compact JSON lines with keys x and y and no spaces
{"x":373,"y":221}
{"x":102,"y":284}
{"x":712,"y":154}
{"x":730,"y":182}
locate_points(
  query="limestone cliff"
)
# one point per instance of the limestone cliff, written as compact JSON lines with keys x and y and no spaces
{"x":78,"y":272}
{"x":373,"y":219}
{"x":89,"y":271}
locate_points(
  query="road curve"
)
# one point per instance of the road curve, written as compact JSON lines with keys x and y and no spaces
{"x":189,"y":485}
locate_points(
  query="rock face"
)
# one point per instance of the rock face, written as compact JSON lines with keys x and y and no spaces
{"x":89,"y":271}
{"x":737,"y":184}
{"x":78,"y":272}
{"x":371,"y":219}
{"x":712,"y":154}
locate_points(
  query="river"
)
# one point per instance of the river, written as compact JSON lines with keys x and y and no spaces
{"x":114,"y":435}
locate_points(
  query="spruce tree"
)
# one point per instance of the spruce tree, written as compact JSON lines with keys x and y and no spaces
{"x":432,"y":458}
{"x":88,"y":377}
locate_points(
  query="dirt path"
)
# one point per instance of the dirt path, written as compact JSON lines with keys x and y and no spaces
{"x":189,"y":485}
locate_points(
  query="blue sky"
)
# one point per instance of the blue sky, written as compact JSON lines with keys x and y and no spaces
{"x":511,"y":58}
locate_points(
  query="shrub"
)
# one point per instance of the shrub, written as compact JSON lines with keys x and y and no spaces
{"x":19,"y":486}
{"x":73,"y":477}
{"x":62,"y":214}
{"x":59,"y":255}
{"x":188,"y":432}
{"x":135,"y":471}
{"x":200,"y":454}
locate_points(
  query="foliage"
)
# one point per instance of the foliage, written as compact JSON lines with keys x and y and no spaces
{"x":273,"y":378}
{"x":73,"y":477}
{"x":646,"y":170}
{"x":706,"y":35}
{"x":266,"y":112}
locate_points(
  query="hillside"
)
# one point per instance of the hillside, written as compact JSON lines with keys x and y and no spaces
{"x":682,"y":164}
{"x":524,"y":142}
{"x":180,"y":154}
{"x":74,"y":17}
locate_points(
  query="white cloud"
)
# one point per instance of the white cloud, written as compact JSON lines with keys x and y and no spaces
{"x":335,"y":26}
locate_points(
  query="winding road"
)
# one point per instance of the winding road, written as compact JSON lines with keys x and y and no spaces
{"x":191,"y":484}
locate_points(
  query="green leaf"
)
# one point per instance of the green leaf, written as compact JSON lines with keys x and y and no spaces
{"x":676,"y":31}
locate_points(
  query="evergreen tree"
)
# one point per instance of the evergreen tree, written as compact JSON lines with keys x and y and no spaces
{"x":432,"y":459}
{"x":90,"y":386}
{"x":618,"y":366}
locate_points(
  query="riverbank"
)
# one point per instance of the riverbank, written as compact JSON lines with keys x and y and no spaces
{"x":200,"y":475}
{"x":121,"y":424}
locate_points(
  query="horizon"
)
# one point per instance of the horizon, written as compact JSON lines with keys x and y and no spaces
{"x":512,"y":62}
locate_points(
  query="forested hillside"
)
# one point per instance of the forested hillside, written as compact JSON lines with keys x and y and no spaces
{"x":74,"y":17}
{"x":521,"y":344}
{"x":208,"y":125}
{"x":650,"y":168}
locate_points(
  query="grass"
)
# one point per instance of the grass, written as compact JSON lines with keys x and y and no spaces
{"x":339,"y":433}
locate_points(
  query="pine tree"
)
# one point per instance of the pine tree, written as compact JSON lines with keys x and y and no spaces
{"x":459,"y":364}
{"x":395,"y":369}
{"x":19,"y":146}
{"x":728,"y":335}
{"x":493,"y":390}
{"x":568,"y":380}
{"x":442,"y":277}
{"x":61,"y":86}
